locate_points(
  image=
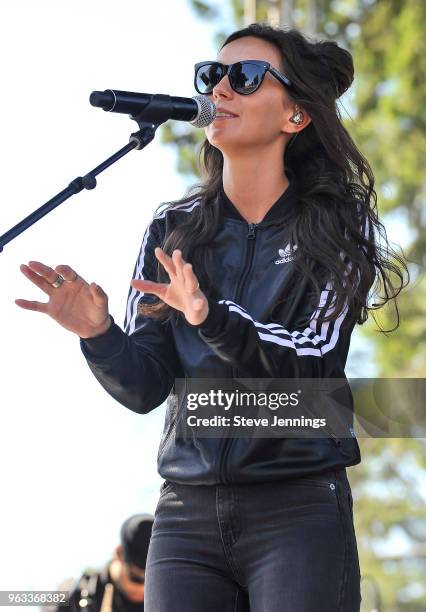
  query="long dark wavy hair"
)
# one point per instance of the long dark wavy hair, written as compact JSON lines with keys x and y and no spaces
{"x":337,"y":204}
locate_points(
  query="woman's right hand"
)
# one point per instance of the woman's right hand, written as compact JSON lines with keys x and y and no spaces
{"x":79,"y":307}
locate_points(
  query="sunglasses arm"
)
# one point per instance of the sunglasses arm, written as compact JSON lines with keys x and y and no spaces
{"x":282,"y":78}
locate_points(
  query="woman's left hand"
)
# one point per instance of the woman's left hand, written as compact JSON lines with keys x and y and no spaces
{"x":182,"y":292}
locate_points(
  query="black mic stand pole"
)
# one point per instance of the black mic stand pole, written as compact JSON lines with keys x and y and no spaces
{"x":148,"y":121}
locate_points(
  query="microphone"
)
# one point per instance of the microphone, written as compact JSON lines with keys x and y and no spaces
{"x":200,"y":111}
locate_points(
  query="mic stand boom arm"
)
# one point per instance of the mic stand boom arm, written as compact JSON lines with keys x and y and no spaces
{"x":148,"y":121}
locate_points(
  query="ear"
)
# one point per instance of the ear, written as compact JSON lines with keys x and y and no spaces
{"x":292,"y":128}
{"x":119,"y":552}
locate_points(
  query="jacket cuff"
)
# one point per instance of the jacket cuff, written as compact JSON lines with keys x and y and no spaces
{"x":106,"y":345}
{"x":215,"y":321}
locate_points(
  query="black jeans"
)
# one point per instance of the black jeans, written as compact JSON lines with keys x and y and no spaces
{"x":285,"y":546}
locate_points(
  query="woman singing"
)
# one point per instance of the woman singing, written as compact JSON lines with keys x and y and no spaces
{"x":261,"y":271}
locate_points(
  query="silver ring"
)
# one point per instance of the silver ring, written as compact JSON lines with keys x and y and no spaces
{"x":58,"y":282}
{"x":196,"y":288}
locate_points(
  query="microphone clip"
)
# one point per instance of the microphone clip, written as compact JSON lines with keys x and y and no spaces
{"x":156,"y":112}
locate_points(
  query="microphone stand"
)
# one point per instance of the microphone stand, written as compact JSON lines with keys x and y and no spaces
{"x":156,"y":112}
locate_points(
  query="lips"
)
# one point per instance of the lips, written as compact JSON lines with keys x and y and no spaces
{"x":224,"y":111}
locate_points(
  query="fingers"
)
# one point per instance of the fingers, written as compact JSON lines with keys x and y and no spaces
{"x":146,"y":286}
{"x":179,"y":267}
{"x":166,"y":261}
{"x":198,"y":304}
{"x":42,"y":276}
{"x":67,"y":272}
{"x":31,"y":305}
{"x":191,"y":282}
{"x":44,"y":271}
{"x":184,"y":271}
{"x":99,"y":296}
{"x":35,"y":278}
{"x":178,"y":262}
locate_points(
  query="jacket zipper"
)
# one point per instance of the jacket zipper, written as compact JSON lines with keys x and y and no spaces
{"x":251,"y":235}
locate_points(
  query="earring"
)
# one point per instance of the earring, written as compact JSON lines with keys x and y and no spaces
{"x":297,"y":118}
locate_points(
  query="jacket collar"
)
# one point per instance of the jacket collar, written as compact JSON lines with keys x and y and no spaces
{"x":279,"y":211}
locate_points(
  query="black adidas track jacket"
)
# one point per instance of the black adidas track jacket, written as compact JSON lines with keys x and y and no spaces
{"x":253,"y":262}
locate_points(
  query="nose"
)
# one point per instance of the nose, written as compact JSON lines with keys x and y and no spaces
{"x":223,"y":89}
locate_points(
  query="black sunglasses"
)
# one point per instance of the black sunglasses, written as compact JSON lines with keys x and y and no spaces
{"x":133,"y":577}
{"x":244,"y":77}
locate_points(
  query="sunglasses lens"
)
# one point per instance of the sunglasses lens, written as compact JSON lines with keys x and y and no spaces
{"x":245,"y":78}
{"x":207,"y":77}
{"x":133,"y":576}
{"x":136,"y":578}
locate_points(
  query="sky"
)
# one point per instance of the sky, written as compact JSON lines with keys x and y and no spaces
{"x":75,"y":463}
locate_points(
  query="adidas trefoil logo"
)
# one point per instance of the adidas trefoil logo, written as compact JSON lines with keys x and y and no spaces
{"x":286,"y":254}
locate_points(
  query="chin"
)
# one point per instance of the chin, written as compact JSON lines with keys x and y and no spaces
{"x":136,"y":598}
{"x":224,"y":143}
{"x":221,"y":134}
{"x":227,"y":142}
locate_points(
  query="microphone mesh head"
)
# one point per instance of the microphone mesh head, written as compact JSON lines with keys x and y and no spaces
{"x":206,"y":112}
